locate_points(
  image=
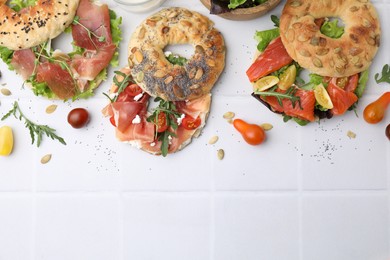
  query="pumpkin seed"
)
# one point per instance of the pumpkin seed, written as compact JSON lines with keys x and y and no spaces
{"x":6,"y":92}
{"x":50,"y":109}
{"x":46,"y":158}
{"x":229,"y":115}
{"x":220,"y":154}
{"x":351,"y":134}
{"x":266,"y":126}
{"x":213,"y":139}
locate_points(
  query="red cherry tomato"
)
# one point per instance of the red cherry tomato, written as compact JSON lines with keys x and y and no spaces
{"x":190,"y":123}
{"x":161,"y":124}
{"x":129,"y":93}
{"x":375,"y":111}
{"x":78,"y":117}
{"x":252,"y":134}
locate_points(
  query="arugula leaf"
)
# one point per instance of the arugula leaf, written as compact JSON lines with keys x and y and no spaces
{"x":171,"y":113}
{"x":362,"y":83}
{"x":331,"y":29}
{"x":289,"y":94}
{"x":385,"y":75}
{"x":36,"y":131}
{"x":265,"y":37}
{"x":276,"y":20}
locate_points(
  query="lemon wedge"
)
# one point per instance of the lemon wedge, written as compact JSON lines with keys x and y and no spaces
{"x":287,"y":78}
{"x":322,"y":97}
{"x":265,"y":83}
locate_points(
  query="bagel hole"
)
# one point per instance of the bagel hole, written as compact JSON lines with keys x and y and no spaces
{"x":332,"y":27}
{"x":179,"y":50}
{"x":63,"y":42}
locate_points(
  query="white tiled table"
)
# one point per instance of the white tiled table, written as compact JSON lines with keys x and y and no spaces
{"x":307,"y":193}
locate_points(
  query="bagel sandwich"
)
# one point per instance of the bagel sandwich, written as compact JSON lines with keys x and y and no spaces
{"x":154,"y":125}
{"x":337,"y":63}
{"x":55,"y":74}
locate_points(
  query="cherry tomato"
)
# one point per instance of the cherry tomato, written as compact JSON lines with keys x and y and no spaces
{"x":129,"y":93}
{"x":78,"y":117}
{"x":375,"y":111}
{"x":161,"y":124}
{"x":252,"y":134}
{"x":112,"y":121}
{"x":190,"y":123}
{"x":387,"y":131}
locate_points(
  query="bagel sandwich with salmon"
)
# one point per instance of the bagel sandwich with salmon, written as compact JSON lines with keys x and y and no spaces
{"x":49,"y":72}
{"x":307,"y":37}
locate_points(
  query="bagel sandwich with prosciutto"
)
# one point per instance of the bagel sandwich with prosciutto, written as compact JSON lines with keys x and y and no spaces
{"x":338,"y":64}
{"x":55,"y":74}
{"x":154,"y":125}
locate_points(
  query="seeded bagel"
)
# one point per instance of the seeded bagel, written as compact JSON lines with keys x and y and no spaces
{"x":352,"y":53}
{"x":156,"y":75}
{"x":36,"y":24}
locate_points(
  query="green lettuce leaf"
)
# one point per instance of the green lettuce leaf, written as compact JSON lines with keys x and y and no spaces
{"x":314,"y":80}
{"x":6,"y":55}
{"x":363,"y":79}
{"x":18,"y":5}
{"x":246,"y":3}
{"x":331,"y":29}
{"x":116,"y":36}
{"x":265,"y":37}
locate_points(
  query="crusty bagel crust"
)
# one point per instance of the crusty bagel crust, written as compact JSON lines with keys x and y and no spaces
{"x":156,"y":75}
{"x":352,"y":53}
{"x":36,"y":24}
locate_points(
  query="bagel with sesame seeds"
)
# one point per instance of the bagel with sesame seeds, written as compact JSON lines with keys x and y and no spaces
{"x":352,"y":53}
{"x":36,"y":24}
{"x":156,"y":75}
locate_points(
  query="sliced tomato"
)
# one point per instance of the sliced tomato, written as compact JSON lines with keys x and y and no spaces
{"x":112,"y":121}
{"x":341,"y":99}
{"x":191,"y":123}
{"x":161,"y":124}
{"x":129,"y":93}
{"x":273,"y":58}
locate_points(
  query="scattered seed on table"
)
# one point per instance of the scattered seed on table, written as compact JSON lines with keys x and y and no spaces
{"x":220,"y":154}
{"x":46,"y":158}
{"x":213,"y":139}
{"x":229,"y":115}
{"x":266,"y":126}
{"x":351,"y":134}
{"x":5,"y":92}
{"x":50,"y":109}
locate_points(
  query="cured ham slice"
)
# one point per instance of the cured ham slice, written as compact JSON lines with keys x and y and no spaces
{"x":23,"y":61}
{"x":58,"y":79}
{"x":97,"y":19}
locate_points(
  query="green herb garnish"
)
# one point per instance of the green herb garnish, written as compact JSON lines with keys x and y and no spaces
{"x":171,"y":114}
{"x":176,"y":59}
{"x":289,"y":94}
{"x":36,"y":131}
{"x":332,"y":29}
{"x":385,"y":75}
{"x":121,"y":84}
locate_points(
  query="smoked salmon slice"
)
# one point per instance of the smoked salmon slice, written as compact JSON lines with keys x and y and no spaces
{"x":273,"y":58}
{"x":342,"y":99}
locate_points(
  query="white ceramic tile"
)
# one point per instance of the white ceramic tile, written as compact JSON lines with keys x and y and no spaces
{"x":15,"y":227}
{"x":247,"y":167}
{"x":345,"y":227}
{"x":165,"y":227}
{"x":95,"y":164}
{"x":331,"y":160}
{"x":256,"y":227}
{"x":78,"y":227}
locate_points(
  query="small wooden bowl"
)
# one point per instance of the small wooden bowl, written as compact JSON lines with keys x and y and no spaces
{"x":241,"y":14}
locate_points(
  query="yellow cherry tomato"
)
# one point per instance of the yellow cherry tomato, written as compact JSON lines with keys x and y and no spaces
{"x":322,"y":96}
{"x":287,"y":78}
{"x":265,"y":83}
{"x":6,"y":140}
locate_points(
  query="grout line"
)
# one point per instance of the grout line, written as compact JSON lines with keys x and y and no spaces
{"x":300,"y":199}
{"x":33,"y":195}
{"x":357,"y":192}
{"x":212,"y":211}
{"x":122,"y":226}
